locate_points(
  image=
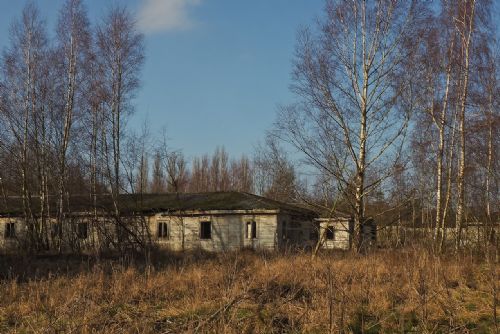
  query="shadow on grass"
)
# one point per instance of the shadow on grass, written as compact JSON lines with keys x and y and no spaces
{"x":24,"y":268}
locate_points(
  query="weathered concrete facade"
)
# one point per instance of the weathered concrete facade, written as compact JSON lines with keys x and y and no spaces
{"x":209,"y":221}
{"x":11,"y":230}
{"x":336,"y":233}
{"x":230,"y":230}
{"x":81,"y":232}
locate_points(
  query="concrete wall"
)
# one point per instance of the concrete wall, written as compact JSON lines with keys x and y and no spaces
{"x":342,"y":233}
{"x":471,"y":235}
{"x":229,"y":231}
{"x":295,"y":231}
{"x":99,"y":234}
{"x":20,"y":232}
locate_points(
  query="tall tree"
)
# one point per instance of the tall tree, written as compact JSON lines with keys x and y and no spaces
{"x":120,"y":53}
{"x":241,"y":174}
{"x":22,"y":107}
{"x":200,"y":174}
{"x":475,"y":36}
{"x":351,"y":74}
{"x":219,"y":173}
{"x":177,"y":173}
{"x":72,"y":52}
{"x":275,"y":176}
{"x":465,"y":26}
{"x":158,"y":183}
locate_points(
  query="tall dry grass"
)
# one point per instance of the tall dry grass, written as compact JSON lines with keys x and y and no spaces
{"x":403,"y":291}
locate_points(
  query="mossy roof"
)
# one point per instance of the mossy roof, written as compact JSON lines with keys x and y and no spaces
{"x":171,"y":202}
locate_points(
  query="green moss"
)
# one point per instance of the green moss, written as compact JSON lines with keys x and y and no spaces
{"x":168,"y":202}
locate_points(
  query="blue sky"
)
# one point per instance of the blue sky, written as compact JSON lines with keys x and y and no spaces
{"x":215,"y":70}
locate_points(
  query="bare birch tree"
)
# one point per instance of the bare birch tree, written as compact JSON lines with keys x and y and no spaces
{"x":72,"y":51}
{"x":488,"y":129}
{"x":465,"y":28}
{"x":356,"y":95}
{"x":22,"y":108}
{"x":120,"y":53}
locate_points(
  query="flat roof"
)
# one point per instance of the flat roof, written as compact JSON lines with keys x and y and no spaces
{"x":166,"y":202}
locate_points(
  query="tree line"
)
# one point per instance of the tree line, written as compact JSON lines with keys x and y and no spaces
{"x":267,"y":171}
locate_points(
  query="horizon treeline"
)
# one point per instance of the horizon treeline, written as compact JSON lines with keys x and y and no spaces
{"x":396,"y":117}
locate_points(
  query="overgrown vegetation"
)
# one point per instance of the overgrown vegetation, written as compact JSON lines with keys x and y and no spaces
{"x":400,"y":291}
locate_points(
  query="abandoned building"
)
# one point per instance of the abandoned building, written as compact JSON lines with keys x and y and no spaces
{"x":215,"y":221}
{"x":229,"y":220}
{"x":337,"y":232}
{"x":208,"y":221}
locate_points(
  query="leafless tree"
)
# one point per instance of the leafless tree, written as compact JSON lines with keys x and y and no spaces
{"x":72,"y":51}
{"x":200,"y":174}
{"x":274,"y":174}
{"x":485,"y":131}
{"x":23,"y":109}
{"x":177,"y":173}
{"x":241,"y":174}
{"x":356,"y":94}
{"x":135,"y":161}
{"x":465,"y":27}
{"x":120,"y":54}
{"x":219,"y":172}
{"x":438,"y":63}
{"x":158,"y":182}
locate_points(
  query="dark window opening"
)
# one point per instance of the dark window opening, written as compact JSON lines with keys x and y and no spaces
{"x":330,"y":233}
{"x":162,"y":230}
{"x":205,"y":230}
{"x":10,"y":230}
{"x":82,"y":231}
{"x":251,"y":231}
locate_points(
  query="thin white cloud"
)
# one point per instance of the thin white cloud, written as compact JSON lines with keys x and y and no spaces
{"x":165,"y":15}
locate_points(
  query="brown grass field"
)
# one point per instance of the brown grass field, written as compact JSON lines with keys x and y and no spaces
{"x":397,"y":291}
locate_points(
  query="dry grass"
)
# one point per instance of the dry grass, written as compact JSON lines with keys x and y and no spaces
{"x":385,"y":292}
